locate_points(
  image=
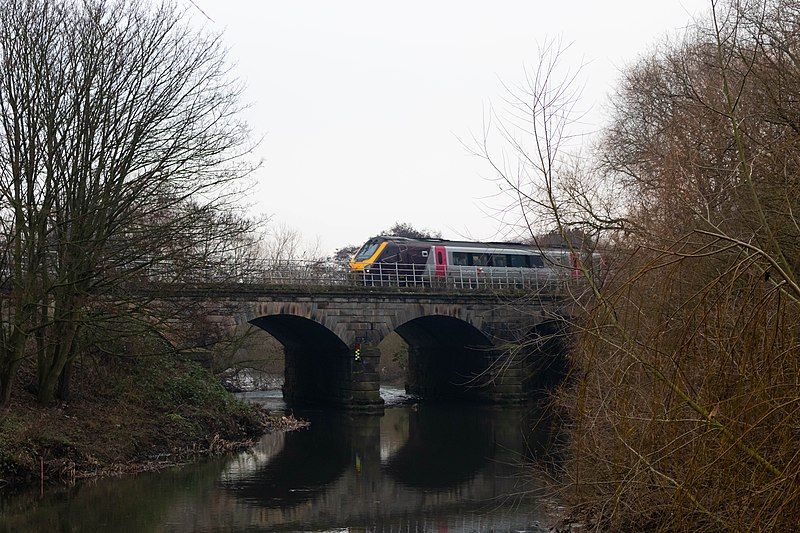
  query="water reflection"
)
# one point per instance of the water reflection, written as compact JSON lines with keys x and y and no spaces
{"x":423,"y":468}
{"x":308,"y":462}
{"x":443,"y":448}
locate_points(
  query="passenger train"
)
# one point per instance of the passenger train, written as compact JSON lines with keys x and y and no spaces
{"x":428,"y":260}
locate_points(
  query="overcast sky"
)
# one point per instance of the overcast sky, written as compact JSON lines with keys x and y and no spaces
{"x":363,"y":104}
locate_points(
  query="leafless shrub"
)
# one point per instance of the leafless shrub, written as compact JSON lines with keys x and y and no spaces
{"x":684,"y":411}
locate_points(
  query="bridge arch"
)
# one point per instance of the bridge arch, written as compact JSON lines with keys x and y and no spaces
{"x":313,"y":311}
{"x":400,"y":315}
{"x":317,"y":366}
{"x":297,"y":331}
{"x":545,"y":352}
{"x":447,"y":357}
{"x":331,"y":341}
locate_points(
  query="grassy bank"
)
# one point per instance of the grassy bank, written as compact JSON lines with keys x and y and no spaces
{"x":124,"y":416}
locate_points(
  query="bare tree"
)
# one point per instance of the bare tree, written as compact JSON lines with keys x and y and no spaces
{"x":345,"y":253}
{"x":120,"y":143}
{"x":684,"y":410}
{"x":283,"y":244}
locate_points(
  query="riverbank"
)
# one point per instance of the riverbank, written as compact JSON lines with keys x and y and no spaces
{"x":415,"y":467}
{"x":133,"y":416}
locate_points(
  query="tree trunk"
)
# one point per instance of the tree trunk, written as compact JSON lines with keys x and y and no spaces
{"x":6,"y":381}
{"x":61,"y":357}
{"x":10,"y":360}
{"x":63,"y":382}
{"x":56,"y":359}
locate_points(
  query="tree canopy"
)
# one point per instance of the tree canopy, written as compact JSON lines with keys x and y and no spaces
{"x":404,"y":229}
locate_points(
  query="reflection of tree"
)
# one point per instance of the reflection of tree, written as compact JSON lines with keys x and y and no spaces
{"x":133,"y":503}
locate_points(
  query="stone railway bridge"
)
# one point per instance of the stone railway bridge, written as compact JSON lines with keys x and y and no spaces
{"x":458,"y":340}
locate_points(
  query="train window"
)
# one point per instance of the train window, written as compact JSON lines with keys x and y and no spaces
{"x":460,"y":259}
{"x":478,"y":260}
{"x":498,"y":260}
{"x":518,"y":261}
{"x":367,"y":250}
{"x":439,"y":258}
{"x":536,"y":261}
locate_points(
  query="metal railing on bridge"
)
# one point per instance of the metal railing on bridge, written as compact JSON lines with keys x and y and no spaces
{"x":330,"y":273}
{"x":471,"y":278}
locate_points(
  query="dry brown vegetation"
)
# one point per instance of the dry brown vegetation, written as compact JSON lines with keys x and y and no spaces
{"x":683,"y":413}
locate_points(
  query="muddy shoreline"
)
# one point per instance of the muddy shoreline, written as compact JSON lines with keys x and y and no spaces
{"x":65,"y":471}
{"x":148,"y":415}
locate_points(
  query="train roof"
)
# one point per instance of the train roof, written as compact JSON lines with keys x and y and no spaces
{"x":472,"y":244}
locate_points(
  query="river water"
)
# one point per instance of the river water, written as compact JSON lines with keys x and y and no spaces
{"x":418,"y":467}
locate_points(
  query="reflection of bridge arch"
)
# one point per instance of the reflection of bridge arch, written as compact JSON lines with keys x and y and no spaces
{"x":442,"y":450}
{"x":309,"y":461}
{"x":447,"y":459}
{"x":445,"y":448}
{"x":446,"y":356}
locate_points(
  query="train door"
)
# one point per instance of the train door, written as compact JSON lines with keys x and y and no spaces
{"x":441,"y":261}
{"x":575,"y":261}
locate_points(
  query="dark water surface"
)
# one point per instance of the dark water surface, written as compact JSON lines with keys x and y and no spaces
{"x":420,"y":467}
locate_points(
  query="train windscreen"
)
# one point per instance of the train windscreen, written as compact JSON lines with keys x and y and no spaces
{"x":367,"y":250}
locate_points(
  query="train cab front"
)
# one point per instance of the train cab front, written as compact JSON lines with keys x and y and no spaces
{"x":366,"y":257}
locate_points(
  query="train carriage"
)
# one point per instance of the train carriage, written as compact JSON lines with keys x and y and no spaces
{"x":406,"y":261}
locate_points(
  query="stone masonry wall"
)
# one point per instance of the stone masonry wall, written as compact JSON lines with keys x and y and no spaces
{"x":449,"y":335}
